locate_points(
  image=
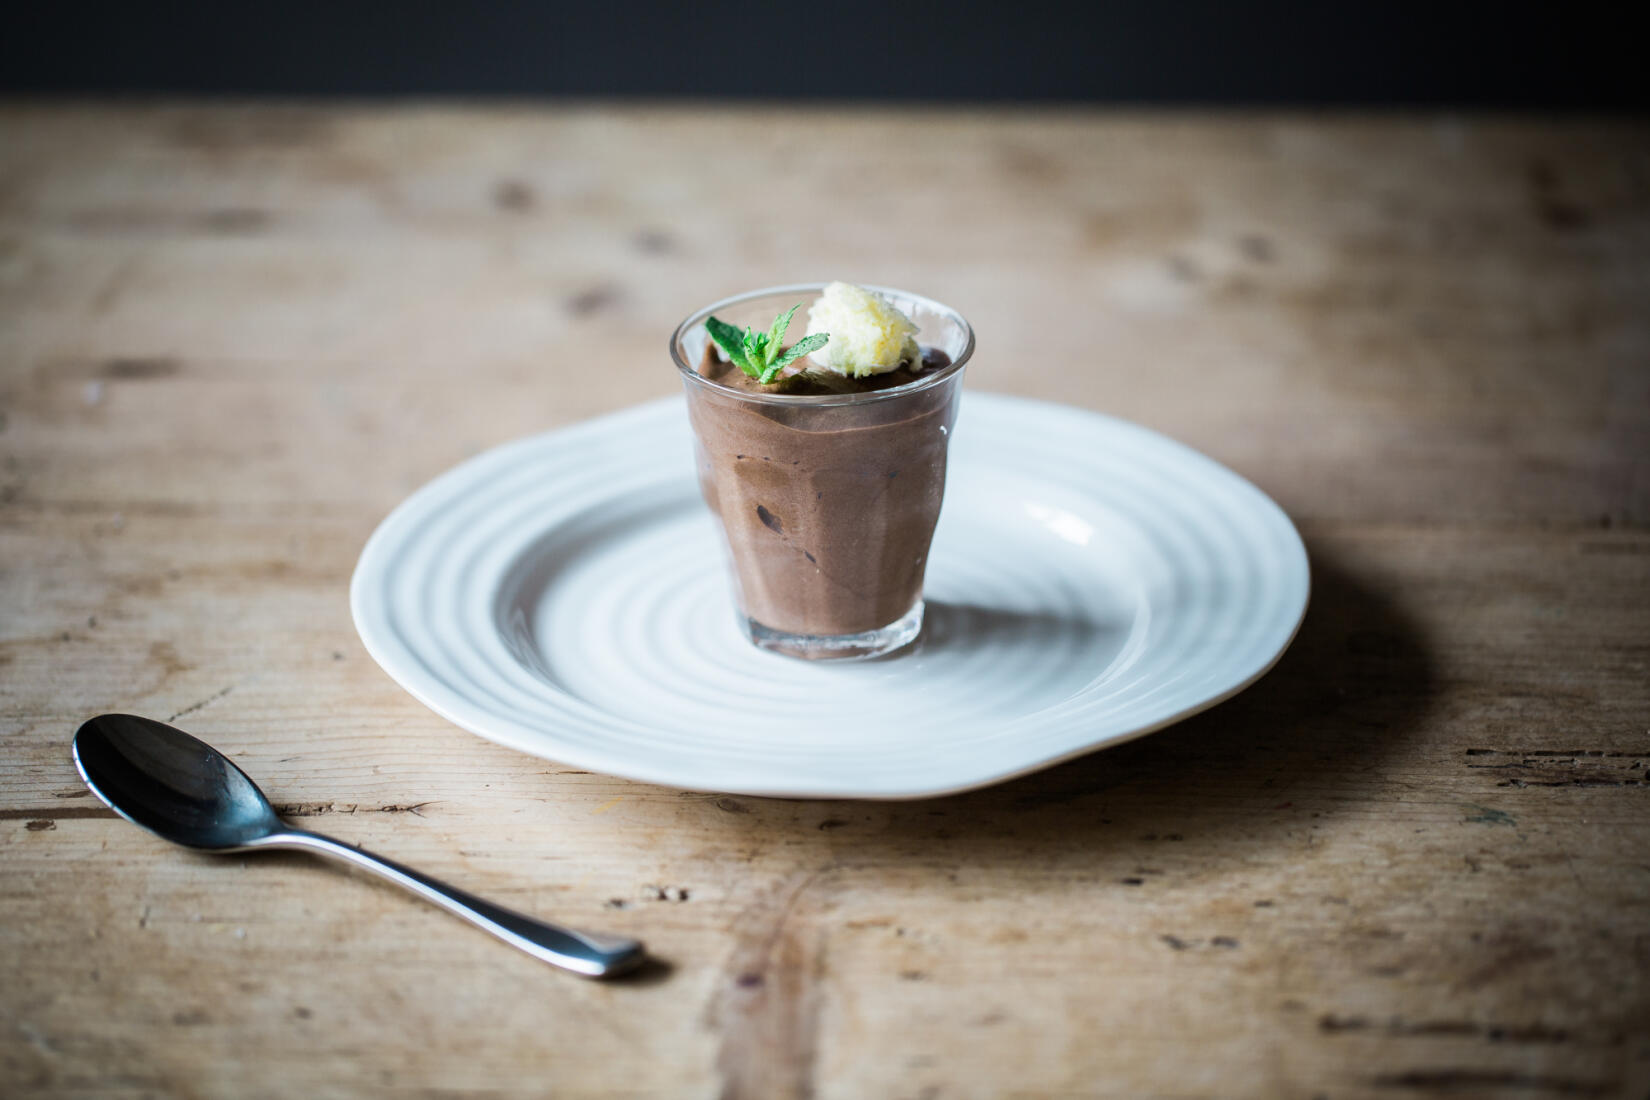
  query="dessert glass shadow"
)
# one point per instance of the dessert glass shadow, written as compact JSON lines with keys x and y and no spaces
{"x":827,"y":500}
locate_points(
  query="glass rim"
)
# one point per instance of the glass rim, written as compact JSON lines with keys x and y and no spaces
{"x":820,"y":399}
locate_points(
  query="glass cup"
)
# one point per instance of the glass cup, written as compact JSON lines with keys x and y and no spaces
{"x":827,"y":502}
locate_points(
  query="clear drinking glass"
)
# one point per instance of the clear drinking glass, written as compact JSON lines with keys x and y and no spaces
{"x":827,"y":502}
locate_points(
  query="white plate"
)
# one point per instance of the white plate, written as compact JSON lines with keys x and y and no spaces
{"x":1090,"y":581}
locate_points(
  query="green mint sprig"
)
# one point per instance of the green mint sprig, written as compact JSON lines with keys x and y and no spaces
{"x":762,"y":355}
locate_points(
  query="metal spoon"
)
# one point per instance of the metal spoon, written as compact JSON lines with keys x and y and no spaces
{"x":183,"y":790}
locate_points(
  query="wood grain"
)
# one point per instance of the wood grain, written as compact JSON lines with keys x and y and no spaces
{"x":1413,"y":861}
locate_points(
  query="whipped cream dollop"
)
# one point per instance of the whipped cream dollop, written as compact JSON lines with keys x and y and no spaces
{"x":868,"y":335}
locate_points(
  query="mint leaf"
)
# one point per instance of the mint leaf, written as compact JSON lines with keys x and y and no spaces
{"x":804,"y":346}
{"x":776,"y":334}
{"x":759,"y":354}
{"x":732,"y":342}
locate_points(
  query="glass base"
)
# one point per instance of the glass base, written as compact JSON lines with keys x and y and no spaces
{"x":838,"y":647}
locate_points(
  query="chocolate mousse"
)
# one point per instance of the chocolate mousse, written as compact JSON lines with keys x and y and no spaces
{"x":828,"y":508}
{"x":798,"y":381}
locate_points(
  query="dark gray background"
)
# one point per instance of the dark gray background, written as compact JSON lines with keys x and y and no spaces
{"x":1264,"y":53}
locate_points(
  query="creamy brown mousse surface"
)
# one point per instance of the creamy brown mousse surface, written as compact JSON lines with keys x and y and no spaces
{"x":829,"y":510}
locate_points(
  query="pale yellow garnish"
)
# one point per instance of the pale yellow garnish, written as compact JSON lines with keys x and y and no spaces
{"x":868,"y":335}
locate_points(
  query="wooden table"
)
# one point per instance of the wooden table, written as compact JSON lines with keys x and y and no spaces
{"x":1412,"y":861}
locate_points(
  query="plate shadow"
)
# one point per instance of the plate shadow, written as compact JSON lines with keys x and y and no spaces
{"x":1294,"y":748}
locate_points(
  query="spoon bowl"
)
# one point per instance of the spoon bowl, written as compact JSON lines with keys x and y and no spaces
{"x":176,"y":786}
{"x":185,"y":791}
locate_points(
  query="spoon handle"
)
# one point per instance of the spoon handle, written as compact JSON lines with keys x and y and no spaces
{"x":581,"y":952}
